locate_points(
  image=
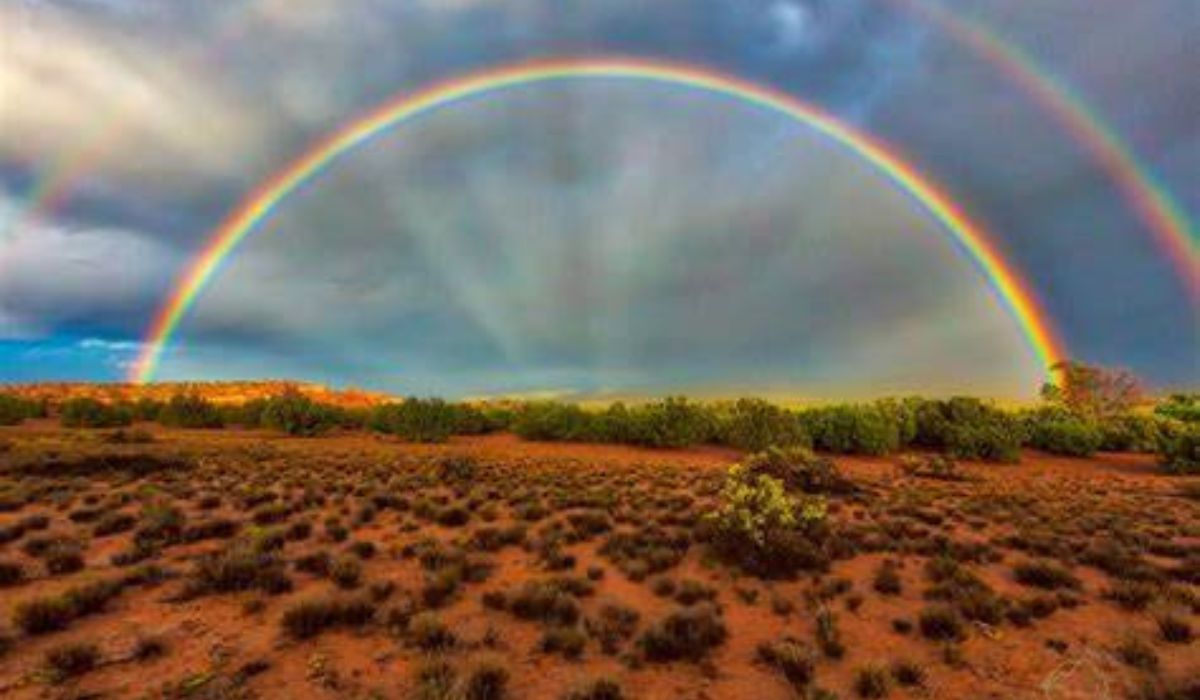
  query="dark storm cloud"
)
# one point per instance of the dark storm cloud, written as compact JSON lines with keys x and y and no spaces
{"x":215,"y":96}
{"x":1059,"y":215}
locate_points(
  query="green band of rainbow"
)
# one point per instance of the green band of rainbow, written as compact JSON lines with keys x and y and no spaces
{"x":969,"y":236}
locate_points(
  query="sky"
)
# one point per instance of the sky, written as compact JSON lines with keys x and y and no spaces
{"x":590,"y":236}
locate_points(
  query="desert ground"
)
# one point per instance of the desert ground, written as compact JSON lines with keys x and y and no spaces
{"x":247,"y":564}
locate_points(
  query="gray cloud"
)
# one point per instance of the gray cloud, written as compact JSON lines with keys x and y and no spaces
{"x":630,"y":251}
{"x":588,"y":236}
{"x":54,"y":276}
{"x":130,"y":105}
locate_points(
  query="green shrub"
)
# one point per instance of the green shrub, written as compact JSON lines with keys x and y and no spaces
{"x":15,"y":410}
{"x":1179,"y":449}
{"x":967,"y":428}
{"x":1132,"y":432}
{"x":1180,"y":407}
{"x":903,"y":413}
{"x":672,"y":422}
{"x":614,"y":424}
{"x":992,"y":442}
{"x":1063,"y":434}
{"x":248,"y":414}
{"x":763,"y":529}
{"x":146,"y":409}
{"x":89,"y":413}
{"x":754,"y":424}
{"x":553,"y":421}
{"x":415,"y":419}
{"x":852,"y":429}
{"x":296,"y":414}
{"x":472,"y":420}
{"x":190,"y":411}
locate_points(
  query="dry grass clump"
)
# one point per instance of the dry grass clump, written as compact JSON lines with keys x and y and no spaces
{"x":311,"y":617}
{"x":1044,"y":574}
{"x":53,"y":613}
{"x":796,"y":661}
{"x":71,"y":660}
{"x":687,"y":634}
{"x":596,"y":689}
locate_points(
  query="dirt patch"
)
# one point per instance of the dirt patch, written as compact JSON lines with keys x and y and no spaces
{"x":1065,"y":578}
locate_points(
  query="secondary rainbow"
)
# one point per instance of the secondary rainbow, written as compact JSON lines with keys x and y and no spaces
{"x":1174,"y":234}
{"x":970,"y":237}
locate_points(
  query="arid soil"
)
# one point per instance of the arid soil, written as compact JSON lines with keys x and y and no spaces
{"x":1066,"y":578}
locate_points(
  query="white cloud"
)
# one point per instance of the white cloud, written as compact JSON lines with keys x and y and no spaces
{"x":792,"y":21}
{"x":110,"y":345}
{"x":68,"y":89}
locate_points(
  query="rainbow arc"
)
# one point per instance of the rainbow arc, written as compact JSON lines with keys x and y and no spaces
{"x":968,"y":236}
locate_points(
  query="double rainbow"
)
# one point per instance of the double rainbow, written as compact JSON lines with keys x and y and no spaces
{"x":969,"y":237}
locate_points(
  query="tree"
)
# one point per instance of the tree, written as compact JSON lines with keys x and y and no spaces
{"x":1091,"y":391}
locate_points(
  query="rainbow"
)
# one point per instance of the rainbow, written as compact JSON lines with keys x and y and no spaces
{"x":1148,"y":197}
{"x":1008,"y":286}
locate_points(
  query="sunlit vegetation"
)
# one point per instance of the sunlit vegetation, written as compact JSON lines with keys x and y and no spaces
{"x":93,"y":413}
{"x":14,"y":409}
{"x":190,"y":411}
{"x":1087,"y":409}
